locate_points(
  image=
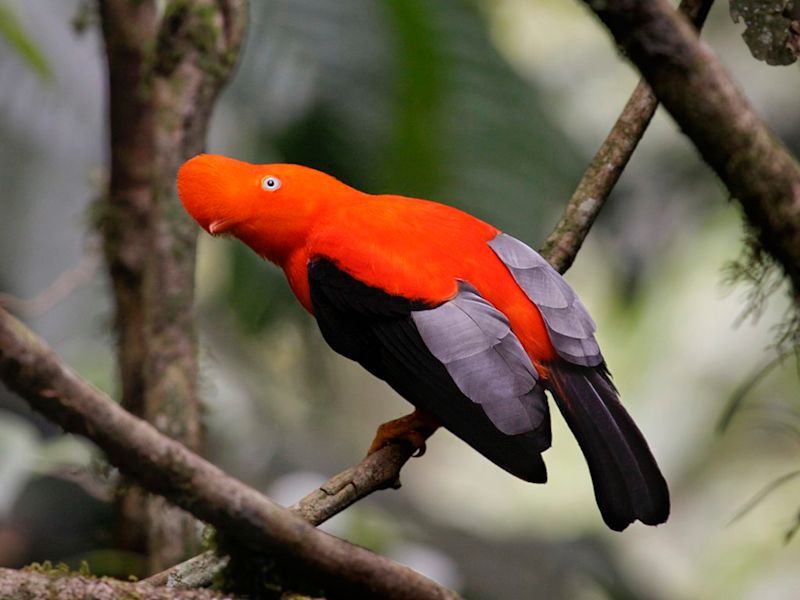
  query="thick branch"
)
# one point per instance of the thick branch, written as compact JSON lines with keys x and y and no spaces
{"x":377,"y":471}
{"x":34,"y":585}
{"x":695,"y":88}
{"x":562,"y":245}
{"x":163,"y":466}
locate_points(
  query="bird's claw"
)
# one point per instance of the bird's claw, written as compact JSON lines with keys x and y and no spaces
{"x":412,"y":429}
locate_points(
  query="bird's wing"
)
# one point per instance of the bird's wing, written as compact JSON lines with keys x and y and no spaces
{"x":569,"y":325}
{"x":627,"y":481}
{"x":458,"y":361}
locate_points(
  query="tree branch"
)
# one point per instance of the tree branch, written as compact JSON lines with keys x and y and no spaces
{"x":377,"y":471}
{"x":688,"y":78}
{"x":35,"y":585}
{"x":163,"y":466}
{"x":562,"y":245}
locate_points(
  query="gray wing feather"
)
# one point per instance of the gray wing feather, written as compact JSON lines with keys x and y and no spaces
{"x":570,"y":327}
{"x":474,"y":342}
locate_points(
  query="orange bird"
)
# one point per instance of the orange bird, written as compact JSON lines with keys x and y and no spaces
{"x":467,"y":323}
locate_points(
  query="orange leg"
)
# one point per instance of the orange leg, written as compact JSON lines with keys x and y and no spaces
{"x":412,"y":429}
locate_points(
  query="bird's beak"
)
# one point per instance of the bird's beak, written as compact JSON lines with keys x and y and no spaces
{"x":213,"y":188}
{"x":221,"y":226}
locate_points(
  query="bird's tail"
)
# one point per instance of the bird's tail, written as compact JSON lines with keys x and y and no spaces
{"x":628,"y":484}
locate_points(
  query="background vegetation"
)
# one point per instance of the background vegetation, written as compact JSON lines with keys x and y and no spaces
{"x":493,"y":106}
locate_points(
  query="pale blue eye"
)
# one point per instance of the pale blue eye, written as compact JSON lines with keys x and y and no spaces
{"x":270,"y":183}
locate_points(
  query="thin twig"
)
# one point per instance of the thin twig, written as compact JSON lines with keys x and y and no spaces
{"x":737,"y":398}
{"x":58,"y":291}
{"x":763,"y":493}
{"x":599,"y":179}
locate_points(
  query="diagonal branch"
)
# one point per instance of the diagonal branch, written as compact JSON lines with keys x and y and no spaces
{"x":691,"y":82}
{"x":163,"y":466}
{"x":377,"y":471}
{"x":562,"y":245}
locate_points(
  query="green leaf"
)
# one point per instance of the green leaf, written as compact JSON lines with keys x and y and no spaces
{"x":15,"y":36}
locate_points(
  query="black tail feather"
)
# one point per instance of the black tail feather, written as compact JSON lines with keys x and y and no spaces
{"x":628,"y":484}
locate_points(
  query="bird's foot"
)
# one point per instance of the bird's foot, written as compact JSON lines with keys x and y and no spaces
{"x":411,"y":429}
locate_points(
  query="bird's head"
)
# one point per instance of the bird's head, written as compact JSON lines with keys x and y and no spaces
{"x":271,"y":208}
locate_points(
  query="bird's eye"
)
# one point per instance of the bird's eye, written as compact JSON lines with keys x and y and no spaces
{"x":270,"y":183}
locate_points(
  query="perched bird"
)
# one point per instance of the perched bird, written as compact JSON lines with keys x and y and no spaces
{"x":467,"y":323}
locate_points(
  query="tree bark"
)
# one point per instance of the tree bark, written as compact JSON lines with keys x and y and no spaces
{"x":35,"y":585}
{"x":164,"y":76}
{"x":377,"y":471}
{"x":688,"y":78}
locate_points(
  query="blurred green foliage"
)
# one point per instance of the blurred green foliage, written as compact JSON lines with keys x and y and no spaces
{"x":414,"y":97}
{"x":403,"y":96}
{"x":13,"y":34}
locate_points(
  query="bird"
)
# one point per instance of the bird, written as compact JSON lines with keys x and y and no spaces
{"x":467,"y":323}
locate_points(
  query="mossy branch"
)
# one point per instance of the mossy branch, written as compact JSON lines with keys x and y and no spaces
{"x":39,"y":585}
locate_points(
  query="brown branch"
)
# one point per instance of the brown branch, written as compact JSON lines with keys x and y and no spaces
{"x":163,"y":466}
{"x":599,"y":179}
{"x":35,"y":585}
{"x":691,"y":82}
{"x":164,"y":76}
{"x":377,"y":471}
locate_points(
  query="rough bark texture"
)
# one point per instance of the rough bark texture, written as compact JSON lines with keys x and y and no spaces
{"x":164,"y":75}
{"x":562,"y":245}
{"x":164,"y":466}
{"x":377,"y":471}
{"x":695,"y":88}
{"x":33,"y":585}
{"x":123,"y":216}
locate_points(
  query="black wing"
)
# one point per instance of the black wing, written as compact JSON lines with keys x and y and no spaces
{"x":627,"y":482}
{"x":458,"y":361}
